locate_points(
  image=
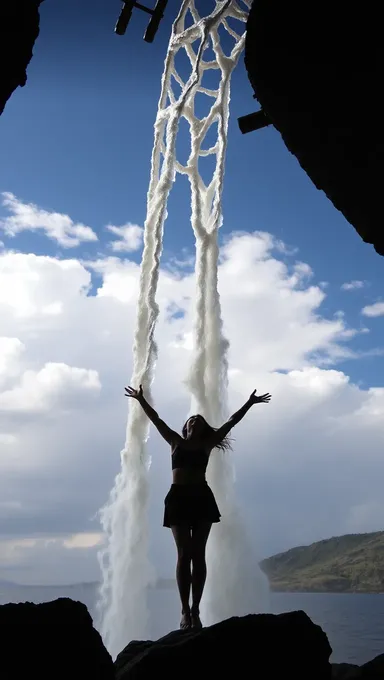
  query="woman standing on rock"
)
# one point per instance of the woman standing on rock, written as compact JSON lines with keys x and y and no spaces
{"x":190,"y":506}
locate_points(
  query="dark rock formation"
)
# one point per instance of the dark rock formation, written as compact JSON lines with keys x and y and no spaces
{"x":19,"y":28}
{"x":52,"y":640}
{"x":264,"y":646}
{"x":317,"y":69}
{"x":373,"y":670}
{"x":344,"y":671}
{"x":57,"y":640}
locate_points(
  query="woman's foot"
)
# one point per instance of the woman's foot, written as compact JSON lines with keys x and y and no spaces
{"x":185,"y":622}
{"x":195,"y":618}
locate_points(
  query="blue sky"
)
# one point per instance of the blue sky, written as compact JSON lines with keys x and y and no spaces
{"x":77,"y":140}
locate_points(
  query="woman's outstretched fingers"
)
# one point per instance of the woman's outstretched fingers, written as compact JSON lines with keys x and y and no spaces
{"x":135,"y":394}
{"x":263,"y":399}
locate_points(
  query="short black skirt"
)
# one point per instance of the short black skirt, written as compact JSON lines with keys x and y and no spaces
{"x":190,"y":504}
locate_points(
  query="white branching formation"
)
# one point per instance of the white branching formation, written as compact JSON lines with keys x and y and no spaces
{"x":126,"y":570}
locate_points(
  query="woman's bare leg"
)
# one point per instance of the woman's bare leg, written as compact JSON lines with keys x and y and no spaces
{"x":182,"y":536}
{"x":200,"y":535}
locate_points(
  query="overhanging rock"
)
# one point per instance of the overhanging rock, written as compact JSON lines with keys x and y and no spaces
{"x":317,"y":71}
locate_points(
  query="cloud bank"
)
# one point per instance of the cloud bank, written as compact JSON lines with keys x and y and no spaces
{"x":309,"y":465}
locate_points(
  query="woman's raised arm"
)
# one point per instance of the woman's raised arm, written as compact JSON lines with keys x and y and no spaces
{"x":166,"y":432}
{"x":222,"y":431}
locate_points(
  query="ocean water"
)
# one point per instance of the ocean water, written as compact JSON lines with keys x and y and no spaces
{"x":354,"y":623}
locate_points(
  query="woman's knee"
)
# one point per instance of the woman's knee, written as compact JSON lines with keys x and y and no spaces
{"x":198,"y":557}
{"x":182,"y":538}
{"x":184,"y":552}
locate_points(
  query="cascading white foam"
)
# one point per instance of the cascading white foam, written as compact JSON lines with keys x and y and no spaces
{"x":235,"y":583}
{"x":126,"y":571}
{"x":125,"y":567}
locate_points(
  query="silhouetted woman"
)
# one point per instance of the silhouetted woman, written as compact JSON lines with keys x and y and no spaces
{"x":190,"y":506}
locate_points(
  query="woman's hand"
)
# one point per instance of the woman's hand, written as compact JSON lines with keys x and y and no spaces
{"x":135,"y":394}
{"x":263,"y":399}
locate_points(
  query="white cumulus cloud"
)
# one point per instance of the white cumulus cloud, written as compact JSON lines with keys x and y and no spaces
{"x":377,"y":309}
{"x":56,"y":226}
{"x":54,"y":386}
{"x":353,"y":285}
{"x":130,"y":237}
{"x":11,"y":350}
{"x":308,"y":465}
{"x":32,"y":285}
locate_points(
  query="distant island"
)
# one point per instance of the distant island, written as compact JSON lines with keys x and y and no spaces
{"x":353,"y":563}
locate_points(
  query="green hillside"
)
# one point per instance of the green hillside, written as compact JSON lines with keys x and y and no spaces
{"x":353,"y":563}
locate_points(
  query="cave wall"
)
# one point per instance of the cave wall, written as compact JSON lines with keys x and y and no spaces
{"x":19,"y":28}
{"x":317,"y":71}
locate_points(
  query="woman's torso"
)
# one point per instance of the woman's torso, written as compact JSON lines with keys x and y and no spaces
{"x":189,"y":462}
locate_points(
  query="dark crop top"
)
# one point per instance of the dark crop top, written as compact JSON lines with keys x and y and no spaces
{"x":189,"y":458}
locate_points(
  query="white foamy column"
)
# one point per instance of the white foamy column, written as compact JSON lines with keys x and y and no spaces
{"x":235,"y":583}
{"x":125,"y":566}
{"x":124,"y":562}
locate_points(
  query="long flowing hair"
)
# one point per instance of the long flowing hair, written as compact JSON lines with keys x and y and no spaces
{"x":223,"y":445}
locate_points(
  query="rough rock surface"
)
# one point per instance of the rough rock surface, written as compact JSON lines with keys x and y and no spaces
{"x":19,"y":28}
{"x":317,"y":69}
{"x":51,"y":640}
{"x":344,"y":671}
{"x":372,"y":670}
{"x":266,"y":646}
